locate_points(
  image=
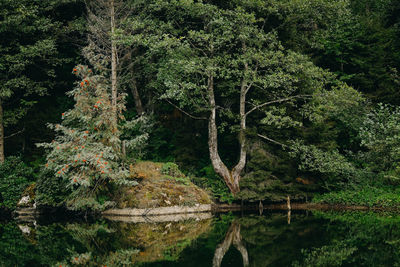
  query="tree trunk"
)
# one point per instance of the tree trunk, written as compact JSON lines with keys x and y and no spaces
{"x":2,"y":157}
{"x":113,"y":62}
{"x":134,"y":89}
{"x":231,"y":178}
{"x":136,"y":96}
{"x":237,"y":170}
{"x":219,"y":167}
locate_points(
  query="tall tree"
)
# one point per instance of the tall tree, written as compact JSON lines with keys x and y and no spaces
{"x":227,"y":58}
{"x":28,"y":56}
{"x":87,"y":150}
{"x":108,"y":48}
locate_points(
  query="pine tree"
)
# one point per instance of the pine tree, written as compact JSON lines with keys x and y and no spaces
{"x":87,"y":150}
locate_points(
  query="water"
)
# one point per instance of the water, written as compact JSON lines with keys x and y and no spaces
{"x":273,"y":239}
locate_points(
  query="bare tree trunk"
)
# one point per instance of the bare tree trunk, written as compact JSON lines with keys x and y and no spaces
{"x":2,"y":157}
{"x":219,"y":167}
{"x":234,"y":237}
{"x":113,"y":61}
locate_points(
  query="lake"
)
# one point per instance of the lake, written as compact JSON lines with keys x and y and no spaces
{"x":306,"y":238}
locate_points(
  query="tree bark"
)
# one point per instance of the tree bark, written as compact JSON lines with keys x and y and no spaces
{"x":2,"y":157}
{"x":113,"y":61}
{"x":219,"y":167}
{"x":231,"y":178}
{"x":237,"y":170}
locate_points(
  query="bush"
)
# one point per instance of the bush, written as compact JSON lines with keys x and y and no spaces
{"x":213,"y":183}
{"x":366,"y":196}
{"x":171,"y":169}
{"x":51,"y":191}
{"x":15,"y":176}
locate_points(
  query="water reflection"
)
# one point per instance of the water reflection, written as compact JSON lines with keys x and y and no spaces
{"x":273,"y":239}
{"x":232,"y":237}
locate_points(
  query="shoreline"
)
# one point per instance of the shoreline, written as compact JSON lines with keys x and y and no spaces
{"x":215,"y":208}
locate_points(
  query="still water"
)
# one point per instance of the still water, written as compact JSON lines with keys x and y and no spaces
{"x":272,"y":239}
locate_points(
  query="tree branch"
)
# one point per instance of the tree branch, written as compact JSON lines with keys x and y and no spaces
{"x":271,"y":140}
{"x":275,"y":101}
{"x":184,"y":112}
{"x":14,"y":134}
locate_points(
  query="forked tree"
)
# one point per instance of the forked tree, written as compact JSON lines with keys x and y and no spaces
{"x":228,"y":56}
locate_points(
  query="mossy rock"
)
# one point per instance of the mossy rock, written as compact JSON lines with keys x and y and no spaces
{"x":30,"y":193}
{"x":160,"y":185}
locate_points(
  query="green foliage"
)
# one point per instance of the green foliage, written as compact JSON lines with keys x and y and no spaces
{"x":332,"y":255}
{"x":29,"y":41}
{"x":333,"y":168}
{"x":260,"y":185}
{"x":212,"y":182}
{"x":379,"y":133}
{"x":135,"y":134}
{"x":351,"y":38}
{"x":171,"y":169}
{"x":87,"y":150}
{"x":15,"y":176}
{"x":169,"y":50}
{"x":369,"y":196}
{"x":183,"y":180}
{"x":51,"y":191}
{"x":267,"y":178}
{"x":34,"y":33}
{"x":342,"y":103}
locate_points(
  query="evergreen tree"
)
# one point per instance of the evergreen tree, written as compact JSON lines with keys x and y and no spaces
{"x":87,"y":150}
{"x":28,"y":55}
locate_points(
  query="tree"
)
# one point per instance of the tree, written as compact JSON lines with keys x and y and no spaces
{"x":109,"y":46}
{"x":358,"y":40}
{"x":87,"y":150}
{"x":28,"y":56}
{"x":227,"y":57}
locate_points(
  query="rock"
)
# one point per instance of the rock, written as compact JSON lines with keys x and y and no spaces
{"x":24,"y":201}
{"x":25,"y":229}
{"x":159,"y":189}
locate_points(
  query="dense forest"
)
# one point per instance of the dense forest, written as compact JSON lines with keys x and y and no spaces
{"x":252,"y":99}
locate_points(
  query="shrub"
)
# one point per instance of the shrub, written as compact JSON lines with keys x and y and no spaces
{"x":51,"y":191}
{"x":171,"y":169}
{"x":213,"y":183}
{"x":15,"y":176}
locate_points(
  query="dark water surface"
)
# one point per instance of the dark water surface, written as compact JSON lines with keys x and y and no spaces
{"x":230,"y":239}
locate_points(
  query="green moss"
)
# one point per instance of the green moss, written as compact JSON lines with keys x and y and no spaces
{"x":160,"y":185}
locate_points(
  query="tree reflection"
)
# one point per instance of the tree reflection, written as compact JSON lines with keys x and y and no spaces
{"x":232,"y":237}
